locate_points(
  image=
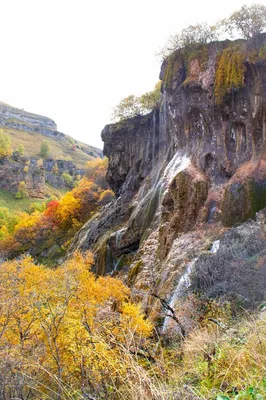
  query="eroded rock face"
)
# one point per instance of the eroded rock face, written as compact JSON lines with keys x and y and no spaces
{"x":184,"y":172}
{"x":131,"y":147}
{"x":182,"y":202}
{"x":15,"y":118}
{"x":245,"y":193}
{"x":13,"y":172}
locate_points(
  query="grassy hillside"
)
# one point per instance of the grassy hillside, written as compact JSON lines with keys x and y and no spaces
{"x":65,"y":148}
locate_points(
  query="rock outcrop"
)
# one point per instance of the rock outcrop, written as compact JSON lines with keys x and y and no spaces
{"x":15,"y":118}
{"x":13,"y":172}
{"x":187,"y":171}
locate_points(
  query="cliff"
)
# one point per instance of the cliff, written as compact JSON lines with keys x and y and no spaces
{"x":185,"y":174}
{"x":11,"y":117}
{"x":36,"y":174}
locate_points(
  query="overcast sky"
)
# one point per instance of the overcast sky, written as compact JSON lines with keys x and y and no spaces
{"x":74,"y":60}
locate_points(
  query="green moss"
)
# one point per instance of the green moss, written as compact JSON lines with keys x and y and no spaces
{"x":257,"y":196}
{"x":230,"y":72}
{"x":133,"y":272}
{"x":182,"y":59}
{"x":169,"y":72}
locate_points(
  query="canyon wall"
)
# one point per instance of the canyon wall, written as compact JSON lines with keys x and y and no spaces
{"x":186,"y":173}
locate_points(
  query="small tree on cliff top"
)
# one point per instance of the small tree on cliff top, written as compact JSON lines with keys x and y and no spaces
{"x":249,"y":21}
{"x":199,"y":33}
{"x":132,"y":106}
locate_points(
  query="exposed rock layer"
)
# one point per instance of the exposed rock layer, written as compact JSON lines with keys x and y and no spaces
{"x":11,"y":117}
{"x":169,"y":211}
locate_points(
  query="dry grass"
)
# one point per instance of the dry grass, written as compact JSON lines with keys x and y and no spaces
{"x":61,"y":149}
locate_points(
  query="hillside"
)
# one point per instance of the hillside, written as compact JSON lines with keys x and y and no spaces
{"x":30,"y":129}
{"x":42,"y":176}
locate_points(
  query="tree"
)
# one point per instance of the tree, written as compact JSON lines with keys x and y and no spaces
{"x":127,"y":108}
{"x":249,"y":21}
{"x":67,"y":179}
{"x":132,"y":106}
{"x":5,"y":145}
{"x":61,"y":325}
{"x":21,"y":149}
{"x":199,"y":33}
{"x":106,"y":197}
{"x":45,"y":148}
{"x":149,"y":100}
{"x":22,"y":190}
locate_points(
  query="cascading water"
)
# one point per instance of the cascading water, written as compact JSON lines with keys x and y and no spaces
{"x":183,"y":284}
{"x":153,"y":137}
{"x":162,"y":124}
{"x":215,"y":246}
{"x":118,"y":236}
{"x":152,"y":201}
{"x":116,"y":266}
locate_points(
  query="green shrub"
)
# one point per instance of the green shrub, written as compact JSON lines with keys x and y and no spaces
{"x":67,"y":179}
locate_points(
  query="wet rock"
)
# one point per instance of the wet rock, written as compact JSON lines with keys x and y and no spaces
{"x":181,"y":205}
{"x":245,"y":194}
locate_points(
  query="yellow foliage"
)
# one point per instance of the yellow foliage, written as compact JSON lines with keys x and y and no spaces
{"x":67,"y":207}
{"x":230,"y":72}
{"x":64,"y":320}
{"x":28,"y":220}
{"x":5,"y":145}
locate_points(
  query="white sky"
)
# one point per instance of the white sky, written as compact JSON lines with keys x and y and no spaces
{"x":74,"y":60}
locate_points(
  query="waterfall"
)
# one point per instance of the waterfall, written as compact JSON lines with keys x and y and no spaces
{"x":215,"y":246}
{"x":181,"y":289}
{"x":162,"y":124}
{"x":118,"y":235}
{"x":153,"y":137}
{"x":152,"y":201}
{"x":110,"y":260}
{"x":211,"y":212}
{"x":117,"y":265}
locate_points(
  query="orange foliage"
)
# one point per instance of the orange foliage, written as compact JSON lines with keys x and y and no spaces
{"x":38,"y":232}
{"x":63,"y":320}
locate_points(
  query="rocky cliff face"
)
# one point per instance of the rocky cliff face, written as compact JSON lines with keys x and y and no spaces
{"x":15,"y":118}
{"x":14,"y":171}
{"x":186,"y":173}
{"x":36,"y":174}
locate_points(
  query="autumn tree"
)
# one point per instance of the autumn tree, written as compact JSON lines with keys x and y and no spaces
{"x":21,"y":149}
{"x":22,"y":190}
{"x":5,"y":145}
{"x":46,"y":232}
{"x":61,"y":326}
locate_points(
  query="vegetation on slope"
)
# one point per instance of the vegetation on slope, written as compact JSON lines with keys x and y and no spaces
{"x":63,"y":332}
{"x":66,"y":148}
{"x":46,"y":229}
